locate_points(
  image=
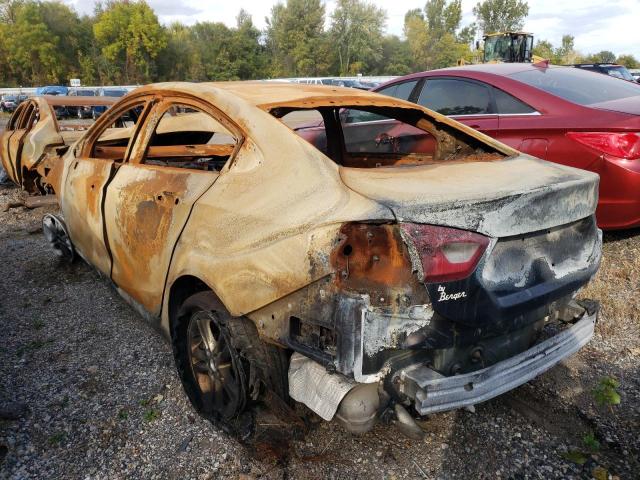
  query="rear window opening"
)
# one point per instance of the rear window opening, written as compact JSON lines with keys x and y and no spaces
{"x":374,"y":137}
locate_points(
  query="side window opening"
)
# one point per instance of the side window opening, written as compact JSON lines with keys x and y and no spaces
{"x":382,"y":137}
{"x":113,"y":141}
{"x":187,"y":137}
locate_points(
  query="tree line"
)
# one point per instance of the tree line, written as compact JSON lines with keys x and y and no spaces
{"x":123,"y":42}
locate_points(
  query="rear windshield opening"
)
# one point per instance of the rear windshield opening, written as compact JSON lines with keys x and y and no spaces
{"x":372,"y":137}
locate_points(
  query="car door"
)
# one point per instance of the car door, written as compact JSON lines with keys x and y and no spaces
{"x":16,"y":140}
{"x":5,"y":142}
{"x":89,"y":170}
{"x":175,"y":160}
{"x":467,"y":101}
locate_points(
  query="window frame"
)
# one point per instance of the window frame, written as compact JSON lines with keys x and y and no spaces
{"x":492,"y":103}
{"x":110,"y":116}
{"x":159,"y":107}
{"x":413,"y":95}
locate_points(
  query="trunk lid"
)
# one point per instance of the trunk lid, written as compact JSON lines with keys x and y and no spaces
{"x":501,"y":198}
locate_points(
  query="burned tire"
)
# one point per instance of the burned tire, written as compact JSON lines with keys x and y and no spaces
{"x":56,"y":233}
{"x":224,"y":367}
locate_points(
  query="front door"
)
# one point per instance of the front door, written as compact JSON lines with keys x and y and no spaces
{"x":172,"y":164}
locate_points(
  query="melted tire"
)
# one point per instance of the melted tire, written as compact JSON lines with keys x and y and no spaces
{"x":261,"y":367}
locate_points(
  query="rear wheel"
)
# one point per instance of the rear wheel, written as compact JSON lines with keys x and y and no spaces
{"x":224,"y":366}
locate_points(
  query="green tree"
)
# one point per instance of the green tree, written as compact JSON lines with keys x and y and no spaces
{"x":33,"y":53}
{"x":296,"y":39}
{"x":605,"y":56}
{"x":628,"y":61}
{"x":501,"y":15}
{"x":433,"y":36}
{"x":395,"y":58}
{"x":356,"y":32}
{"x":130,"y":37}
{"x":544,"y":49}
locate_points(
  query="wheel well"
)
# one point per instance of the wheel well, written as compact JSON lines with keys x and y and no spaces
{"x":182,"y":289}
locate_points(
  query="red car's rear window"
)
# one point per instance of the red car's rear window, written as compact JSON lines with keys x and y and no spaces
{"x":578,"y":86}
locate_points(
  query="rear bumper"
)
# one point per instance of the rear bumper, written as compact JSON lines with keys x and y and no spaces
{"x":435,"y":393}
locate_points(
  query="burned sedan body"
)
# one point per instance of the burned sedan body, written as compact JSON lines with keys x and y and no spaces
{"x":400,"y":262}
{"x":33,"y":133}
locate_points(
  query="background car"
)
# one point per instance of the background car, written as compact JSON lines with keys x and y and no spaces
{"x":612,"y":69}
{"x":565,"y":115}
{"x":52,"y":90}
{"x":8,"y":103}
{"x":80,"y":111}
{"x":113,"y":92}
{"x":33,"y":132}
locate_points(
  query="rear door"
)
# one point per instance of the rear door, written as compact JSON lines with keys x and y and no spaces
{"x":88,"y":173}
{"x":467,"y":101}
{"x":176,"y":159}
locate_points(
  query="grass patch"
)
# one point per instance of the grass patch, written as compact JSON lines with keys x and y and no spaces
{"x":32,"y":346}
{"x":56,"y":439}
{"x":591,"y":442}
{"x":151,"y":415}
{"x":123,"y":414}
{"x":38,"y":324}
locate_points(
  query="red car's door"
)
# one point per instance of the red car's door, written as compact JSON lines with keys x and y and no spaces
{"x":467,"y":101}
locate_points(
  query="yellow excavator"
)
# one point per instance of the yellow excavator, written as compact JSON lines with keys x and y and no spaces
{"x":507,"y":47}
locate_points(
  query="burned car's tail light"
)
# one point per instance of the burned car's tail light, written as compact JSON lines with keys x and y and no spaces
{"x":622,"y":145}
{"x":446,"y":254}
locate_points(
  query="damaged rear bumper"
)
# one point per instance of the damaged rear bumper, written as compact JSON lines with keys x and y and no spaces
{"x":433,"y":392}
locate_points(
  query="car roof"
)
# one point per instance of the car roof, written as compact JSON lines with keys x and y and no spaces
{"x":266,"y":94}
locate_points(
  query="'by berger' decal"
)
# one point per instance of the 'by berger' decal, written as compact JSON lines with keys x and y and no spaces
{"x":444,"y":296}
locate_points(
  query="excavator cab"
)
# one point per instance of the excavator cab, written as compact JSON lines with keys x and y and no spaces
{"x":508,"y":47}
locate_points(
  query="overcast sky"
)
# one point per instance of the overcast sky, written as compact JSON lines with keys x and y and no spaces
{"x":596,"y":24}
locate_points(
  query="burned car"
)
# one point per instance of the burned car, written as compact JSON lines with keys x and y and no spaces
{"x":33,"y":132}
{"x":402,"y":264}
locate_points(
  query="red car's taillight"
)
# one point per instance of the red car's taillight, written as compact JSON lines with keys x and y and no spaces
{"x":621,"y":145}
{"x":447,"y":254}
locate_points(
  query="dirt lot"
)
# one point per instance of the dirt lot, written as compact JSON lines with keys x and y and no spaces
{"x":88,"y":390}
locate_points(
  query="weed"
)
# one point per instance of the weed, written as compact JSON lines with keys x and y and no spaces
{"x":591,"y":442}
{"x":123,"y":414}
{"x":606,"y":392}
{"x":575,"y":456}
{"x":38,"y":324}
{"x":151,"y":415}
{"x":56,"y":439}
{"x":32,"y":346}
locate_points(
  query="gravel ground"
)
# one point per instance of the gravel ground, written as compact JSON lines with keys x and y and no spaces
{"x":88,"y":390}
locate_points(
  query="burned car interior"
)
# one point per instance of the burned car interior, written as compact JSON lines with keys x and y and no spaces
{"x":373,"y":137}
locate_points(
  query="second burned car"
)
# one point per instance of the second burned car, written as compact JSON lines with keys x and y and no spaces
{"x":410,"y":266}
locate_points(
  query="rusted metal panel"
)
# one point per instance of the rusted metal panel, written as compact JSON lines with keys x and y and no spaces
{"x":82,"y":203}
{"x":146,"y":208}
{"x":73,"y":101}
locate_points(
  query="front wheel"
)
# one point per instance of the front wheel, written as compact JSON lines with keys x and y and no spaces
{"x":224,"y":366}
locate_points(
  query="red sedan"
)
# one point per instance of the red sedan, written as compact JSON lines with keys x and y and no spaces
{"x":565,"y":115}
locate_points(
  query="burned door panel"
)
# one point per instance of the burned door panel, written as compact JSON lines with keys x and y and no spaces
{"x":145,"y":211}
{"x":82,"y":208}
